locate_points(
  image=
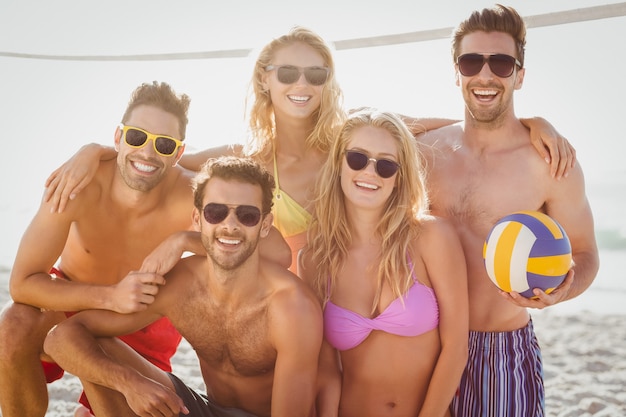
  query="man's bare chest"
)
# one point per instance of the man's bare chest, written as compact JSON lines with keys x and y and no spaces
{"x":110,"y":245}
{"x":236,"y":342}
{"x":480,"y":195}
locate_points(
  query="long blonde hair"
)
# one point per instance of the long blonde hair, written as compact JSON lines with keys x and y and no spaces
{"x":328,"y":116}
{"x":329,"y":236}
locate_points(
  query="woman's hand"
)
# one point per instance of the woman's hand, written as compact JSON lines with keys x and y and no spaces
{"x":554,"y":148}
{"x":70,"y":178}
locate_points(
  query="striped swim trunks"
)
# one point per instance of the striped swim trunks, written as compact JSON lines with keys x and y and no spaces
{"x":503,"y":376}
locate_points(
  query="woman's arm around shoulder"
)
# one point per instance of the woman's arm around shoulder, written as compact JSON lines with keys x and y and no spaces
{"x":274,"y":248}
{"x":442,"y":254}
{"x":193,"y":161}
{"x":65,"y":182}
{"x":328,"y":382}
{"x":551,"y":145}
{"x":295,"y":329}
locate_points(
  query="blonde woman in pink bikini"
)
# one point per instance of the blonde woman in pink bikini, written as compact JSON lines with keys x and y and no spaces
{"x":391,"y":279}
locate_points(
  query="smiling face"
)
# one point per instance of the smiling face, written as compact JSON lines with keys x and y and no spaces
{"x":489,"y":98}
{"x":300,"y":99}
{"x":365,"y":188}
{"x":143,"y":168}
{"x":229,"y":243}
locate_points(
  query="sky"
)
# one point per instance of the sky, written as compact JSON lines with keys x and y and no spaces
{"x":146,"y":26}
{"x":49,"y":108}
{"x":562,"y":61}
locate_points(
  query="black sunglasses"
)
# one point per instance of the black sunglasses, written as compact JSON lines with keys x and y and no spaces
{"x":289,"y":74}
{"x":138,"y":138}
{"x":385,"y":168}
{"x":215,"y":213}
{"x":500,"y":64}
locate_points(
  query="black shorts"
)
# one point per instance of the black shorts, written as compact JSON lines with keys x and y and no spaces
{"x":199,"y":405}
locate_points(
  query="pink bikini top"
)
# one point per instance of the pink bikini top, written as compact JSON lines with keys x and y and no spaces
{"x":344,"y":329}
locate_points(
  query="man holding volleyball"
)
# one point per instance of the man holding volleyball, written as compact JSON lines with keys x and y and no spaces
{"x":481,"y":170}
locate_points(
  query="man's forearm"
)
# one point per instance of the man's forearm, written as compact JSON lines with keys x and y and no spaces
{"x":77,"y":352}
{"x":586,"y":265}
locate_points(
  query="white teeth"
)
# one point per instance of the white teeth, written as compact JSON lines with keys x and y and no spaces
{"x":299,"y":99}
{"x":485,"y":92}
{"x":366,"y":185}
{"x":229,"y":241}
{"x":144,"y":167}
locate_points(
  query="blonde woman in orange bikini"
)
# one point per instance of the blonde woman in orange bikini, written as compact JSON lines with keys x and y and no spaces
{"x":296,"y":110}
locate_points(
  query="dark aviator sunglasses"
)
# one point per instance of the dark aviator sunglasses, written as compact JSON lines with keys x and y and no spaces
{"x":215,"y":213}
{"x":501,"y":65}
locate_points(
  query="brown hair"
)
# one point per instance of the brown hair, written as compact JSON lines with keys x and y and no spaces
{"x":234,"y":168}
{"x":160,"y":95}
{"x":499,"y":18}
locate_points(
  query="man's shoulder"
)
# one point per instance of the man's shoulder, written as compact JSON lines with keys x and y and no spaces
{"x":448,"y":129}
{"x":442,"y":136}
{"x":179,"y":180}
{"x":293,"y":308}
{"x":93,"y":193}
{"x":277,"y":275}
{"x":286,"y":285}
{"x":182,"y":174}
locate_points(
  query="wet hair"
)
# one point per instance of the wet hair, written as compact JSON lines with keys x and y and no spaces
{"x":233,"y":168}
{"x":327,"y":117}
{"x":162,"y":96}
{"x":329,"y":235}
{"x":498,"y":18}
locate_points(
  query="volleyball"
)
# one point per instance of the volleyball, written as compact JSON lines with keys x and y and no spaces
{"x":527,"y":250}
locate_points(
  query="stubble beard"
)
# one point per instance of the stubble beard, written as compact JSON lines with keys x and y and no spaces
{"x":232,"y":261}
{"x":492,"y":117}
{"x":143,"y":184}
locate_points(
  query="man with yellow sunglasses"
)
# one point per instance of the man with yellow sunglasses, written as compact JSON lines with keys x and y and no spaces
{"x":96,"y":245}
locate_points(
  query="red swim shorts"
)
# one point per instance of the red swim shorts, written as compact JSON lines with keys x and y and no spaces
{"x":156,"y":342}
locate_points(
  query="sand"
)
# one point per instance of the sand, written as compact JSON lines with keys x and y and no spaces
{"x":584,"y":361}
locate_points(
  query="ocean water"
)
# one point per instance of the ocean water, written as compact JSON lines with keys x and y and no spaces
{"x":51,"y":108}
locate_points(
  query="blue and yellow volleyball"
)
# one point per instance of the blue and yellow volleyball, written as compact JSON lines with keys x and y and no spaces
{"x":527,"y":250}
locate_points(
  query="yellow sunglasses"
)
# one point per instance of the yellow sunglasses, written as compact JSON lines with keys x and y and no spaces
{"x":138,"y":138}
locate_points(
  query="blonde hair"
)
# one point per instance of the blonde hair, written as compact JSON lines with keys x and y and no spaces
{"x":328,"y":116}
{"x":329,"y":236}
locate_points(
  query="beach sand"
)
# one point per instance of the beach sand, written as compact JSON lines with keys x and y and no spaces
{"x":584,"y":362}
